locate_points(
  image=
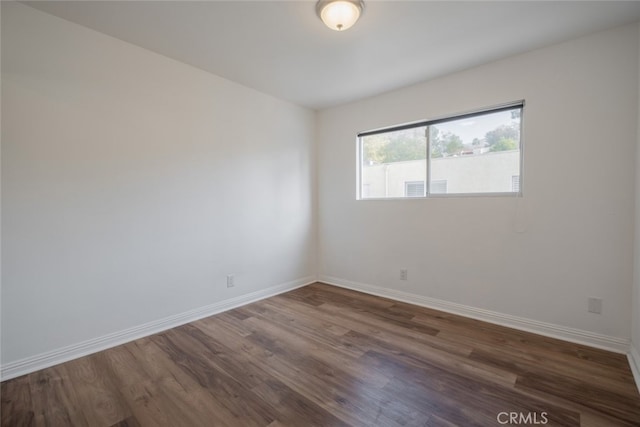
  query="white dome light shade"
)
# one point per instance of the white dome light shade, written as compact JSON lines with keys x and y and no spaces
{"x":339,"y":15}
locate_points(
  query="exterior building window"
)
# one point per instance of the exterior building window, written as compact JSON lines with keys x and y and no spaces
{"x":477,"y":153}
{"x":414,"y":189}
{"x":515,"y":183}
{"x":366,"y":188}
{"x":439,"y":186}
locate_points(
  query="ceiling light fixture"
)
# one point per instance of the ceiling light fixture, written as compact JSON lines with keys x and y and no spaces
{"x":339,"y":15}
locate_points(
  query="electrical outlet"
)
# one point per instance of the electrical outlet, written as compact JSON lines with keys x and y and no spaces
{"x":595,"y":305}
{"x":403,"y":274}
{"x":231,"y":281}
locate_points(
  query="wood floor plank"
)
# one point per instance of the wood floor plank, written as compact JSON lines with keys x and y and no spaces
{"x":428,"y":385}
{"x":158,"y":399}
{"x":446,"y":361}
{"x":54,"y":402}
{"x":520,"y":365}
{"x":251,"y":356}
{"x":97,"y":397}
{"x":509,"y":339}
{"x":381,"y":333}
{"x":293,"y":408}
{"x":305,"y":347}
{"x":128,"y":422}
{"x":321,"y":388}
{"x":324,"y":291}
{"x":16,"y":402}
{"x":222,"y":386}
{"x":619,"y":405}
{"x":349,"y":398}
{"x":392,"y":332}
{"x":588,"y":416}
{"x":305,"y":325}
{"x":326,"y":356}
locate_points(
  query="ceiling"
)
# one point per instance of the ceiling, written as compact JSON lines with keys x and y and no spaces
{"x":283,"y":49}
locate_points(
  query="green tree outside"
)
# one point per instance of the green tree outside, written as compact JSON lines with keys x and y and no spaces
{"x":502,"y":132}
{"x":411,"y":144}
{"x":444,"y":143}
{"x":400,"y":146}
{"x":505,"y":144}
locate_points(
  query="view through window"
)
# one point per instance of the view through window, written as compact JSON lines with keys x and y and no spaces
{"x":470,"y":154}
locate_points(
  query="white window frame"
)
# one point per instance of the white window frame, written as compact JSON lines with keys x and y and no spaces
{"x":479,"y":112}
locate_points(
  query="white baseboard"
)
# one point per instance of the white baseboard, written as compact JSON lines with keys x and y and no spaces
{"x":615,"y":344}
{"x":74,"y":351}
{"x":634,"y":363}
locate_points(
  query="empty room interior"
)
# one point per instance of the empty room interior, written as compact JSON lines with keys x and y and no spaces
{"x":320,"y":213}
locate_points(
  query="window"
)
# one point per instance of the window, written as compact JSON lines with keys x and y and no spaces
{"x":515,"y":183}
{"x":366,"y":190}
{"x":439,"y":186}
{"x":414,"y":189}
{"x":477,"y":153}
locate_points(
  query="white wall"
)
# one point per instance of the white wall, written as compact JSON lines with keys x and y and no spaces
{"x":133,"y":184}
{"x":539,"y":257}
{"x":635,"y":315}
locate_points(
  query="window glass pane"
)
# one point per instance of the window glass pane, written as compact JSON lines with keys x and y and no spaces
{"x":391,"y":160}
{"x":472,"y":153}
{"x":439,"y":186}
{"x":515,"y":183}
{"x":414,"y":189}
{"x":478,"y":154}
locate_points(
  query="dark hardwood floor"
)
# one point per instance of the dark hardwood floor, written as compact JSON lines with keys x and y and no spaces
{"x":325,"y":356}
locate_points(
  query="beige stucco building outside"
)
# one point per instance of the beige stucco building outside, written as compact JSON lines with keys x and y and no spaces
{"x":497,"y":172}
